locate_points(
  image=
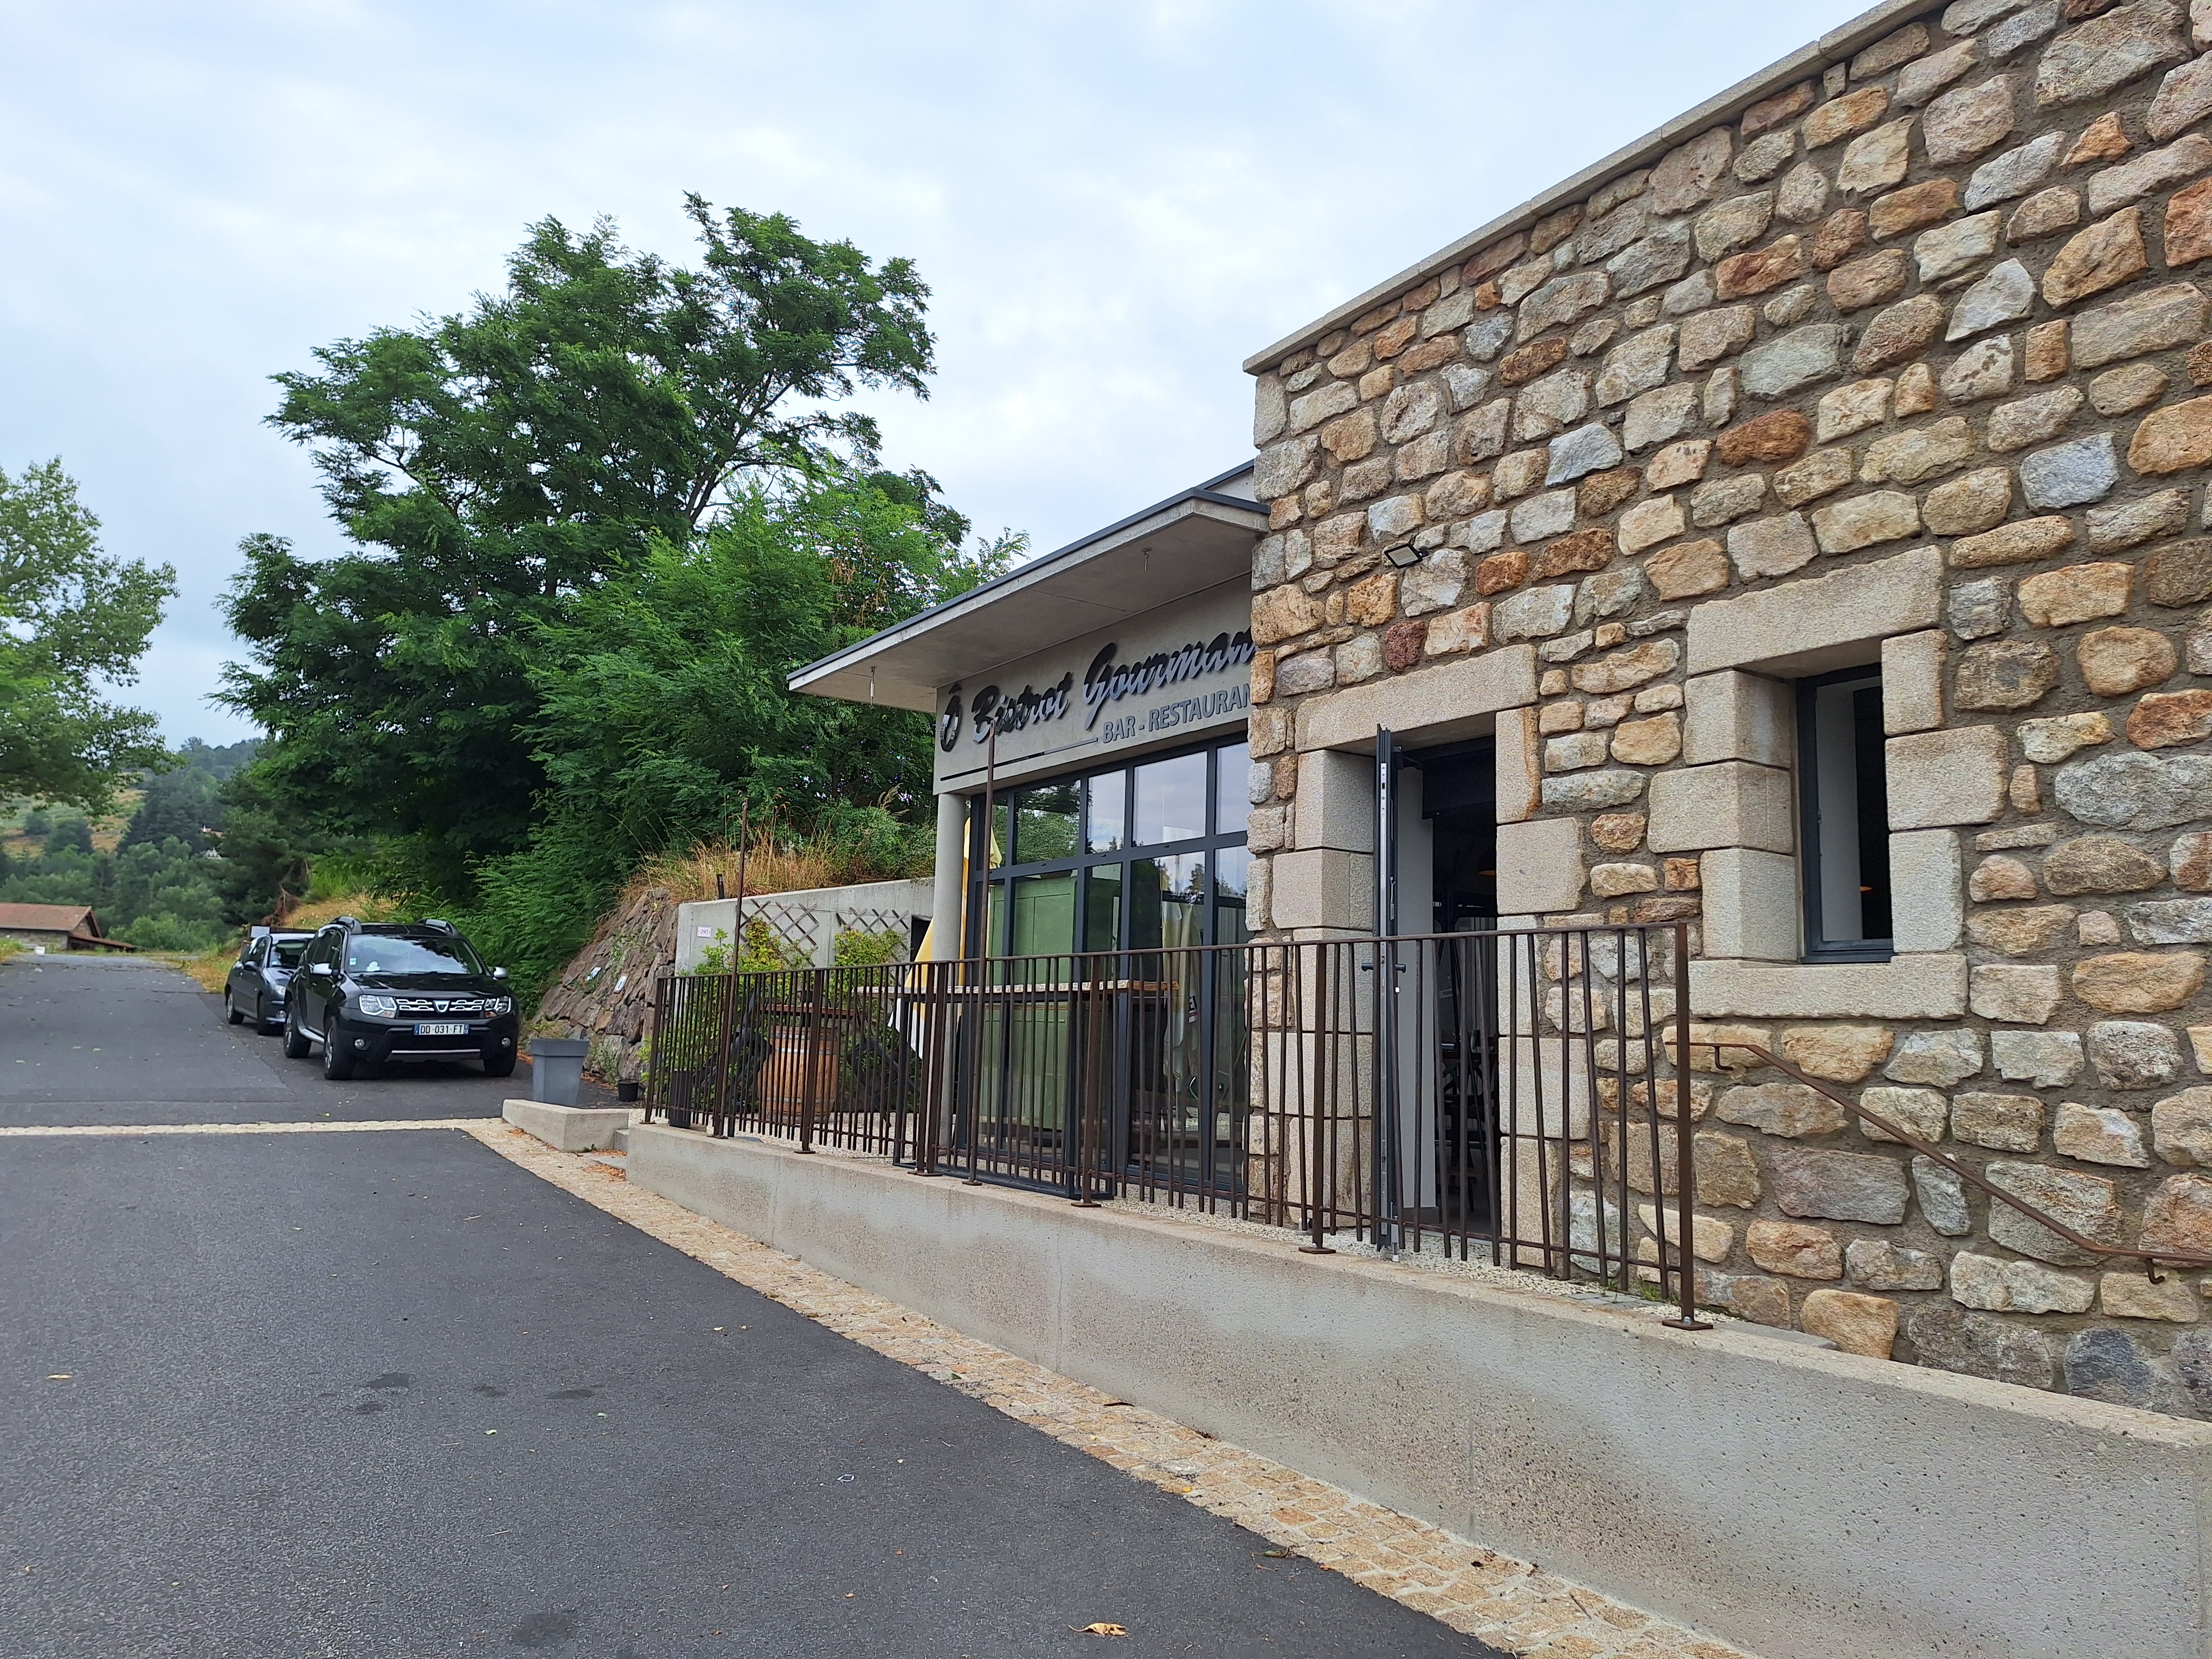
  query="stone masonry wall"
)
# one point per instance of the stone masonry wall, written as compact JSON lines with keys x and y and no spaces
{"x":605,"y":995}
{"x":1909,"y":362}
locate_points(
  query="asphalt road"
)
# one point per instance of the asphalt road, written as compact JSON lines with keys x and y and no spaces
{"x":102,"y":1039}
{"x":386,"y":1393}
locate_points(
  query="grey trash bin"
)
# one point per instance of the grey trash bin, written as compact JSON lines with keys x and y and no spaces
{"x":556,"y":1070}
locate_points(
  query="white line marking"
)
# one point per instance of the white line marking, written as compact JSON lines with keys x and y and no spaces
{"x":242,"y":1128}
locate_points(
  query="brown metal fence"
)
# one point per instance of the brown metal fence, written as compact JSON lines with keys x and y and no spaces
{"x":830,"y":1056}
{"x":1507,"y":1096}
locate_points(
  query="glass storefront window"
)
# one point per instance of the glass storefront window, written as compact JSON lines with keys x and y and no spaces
{"x":1167,"y":901}
{"x":1064,"y":876}
{"x":1232,"y":802}
{"x":1170,"y":801}
{"x":1107,"y":889}
{"x":1044,"y":824}
{"x":1232,"y":867}
{"x":1044,"y":915}
{"x":1102,"y":907}
{"x":1106,"y":824}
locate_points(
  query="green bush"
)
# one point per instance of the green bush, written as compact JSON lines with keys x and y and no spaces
{"x":869,"y":948}
{"x":767,"y":952}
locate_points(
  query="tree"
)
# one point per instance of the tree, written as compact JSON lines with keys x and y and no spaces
{"x":668,"y":706}
{"x":266,"y":851}
{"x":72,"y":621}
{"x":497,"y":467}
{"x":180,"y":806}
{"x":663,"y":706}
{"x":69,"y":835}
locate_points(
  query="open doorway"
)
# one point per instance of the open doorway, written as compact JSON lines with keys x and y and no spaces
{"x":1459,"y":805}
{"x":1448,"y":849}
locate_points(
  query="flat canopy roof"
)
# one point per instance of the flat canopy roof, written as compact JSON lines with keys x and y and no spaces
{"x":1185,"y":544}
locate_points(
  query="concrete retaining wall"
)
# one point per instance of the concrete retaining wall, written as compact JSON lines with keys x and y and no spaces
{"x":1801,"y":1503}
{"x":805,"y":919}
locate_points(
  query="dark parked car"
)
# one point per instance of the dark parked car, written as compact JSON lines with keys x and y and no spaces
{"x":398,"y":991}
{"x":258,"y":978}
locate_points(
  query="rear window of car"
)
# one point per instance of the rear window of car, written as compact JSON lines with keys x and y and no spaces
{"x":373,"y":953}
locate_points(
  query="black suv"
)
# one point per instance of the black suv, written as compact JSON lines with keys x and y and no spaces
{"x":400,"y":991}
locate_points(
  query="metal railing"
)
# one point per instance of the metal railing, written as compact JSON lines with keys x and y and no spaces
{"x":1506,"y":1096}
{"x":1519,"y":1097}
{"x":834,"y":1056}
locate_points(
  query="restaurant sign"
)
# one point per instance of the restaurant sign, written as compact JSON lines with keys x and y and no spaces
{"x":1183,"y":671}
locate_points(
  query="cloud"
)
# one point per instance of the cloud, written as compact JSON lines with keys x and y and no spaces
{"x":1114,"y":204}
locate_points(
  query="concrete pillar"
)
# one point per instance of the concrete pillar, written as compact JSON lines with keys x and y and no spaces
{"x":949,"y":902}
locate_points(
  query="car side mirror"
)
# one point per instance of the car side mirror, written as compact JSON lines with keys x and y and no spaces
{"x":499,"y":973}
{"x":320,"y":970}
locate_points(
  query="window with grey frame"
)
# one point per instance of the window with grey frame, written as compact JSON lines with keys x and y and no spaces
{"x":1134,"y":857}
{"x":1844,"y":818}
{"x":1122,"y":877}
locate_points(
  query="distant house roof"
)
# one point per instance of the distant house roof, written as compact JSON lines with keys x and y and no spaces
{"x":76,"y":921}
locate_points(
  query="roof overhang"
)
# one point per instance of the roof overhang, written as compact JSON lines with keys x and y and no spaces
{"x":1183,"y":545}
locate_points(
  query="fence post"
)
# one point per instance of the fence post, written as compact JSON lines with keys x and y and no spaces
{"x":1318,"y":1151}
{"x":718,"y":1123}
{"x":1685,"y":1143}
{"x":937,"y":1047}
{"x":810,"y":1084}
{"x":1091,"y":1048}
{"x":662,"y":986}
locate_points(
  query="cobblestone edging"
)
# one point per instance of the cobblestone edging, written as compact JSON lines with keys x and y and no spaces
{"x":1515,"y":1606}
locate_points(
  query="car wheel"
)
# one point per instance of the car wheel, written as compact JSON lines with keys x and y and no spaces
{"x":262,"y":1023}
{"x":230,"y":1007}
{"x":338,"y":1058}
{"x":503,"y":1066}
{"x":296,"y":1041}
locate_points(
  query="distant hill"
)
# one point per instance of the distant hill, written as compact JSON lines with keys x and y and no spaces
{"x":220,"y":763}
{"x":148,"y":871}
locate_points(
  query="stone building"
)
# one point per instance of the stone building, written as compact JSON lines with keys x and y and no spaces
{"x":1799,"y":518}
{"x":55,"y":928}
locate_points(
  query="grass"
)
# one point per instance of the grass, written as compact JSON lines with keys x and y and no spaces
{"x":106,"y":832}
{"x":11,"y":947}
{"x":772,"y":864}
{"x":211,"y":968}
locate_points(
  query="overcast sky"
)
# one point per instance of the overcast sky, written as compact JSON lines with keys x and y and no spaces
{"x":1113,"y":204}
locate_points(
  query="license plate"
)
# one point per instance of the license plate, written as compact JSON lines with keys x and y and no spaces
{"x":441,"y":1028}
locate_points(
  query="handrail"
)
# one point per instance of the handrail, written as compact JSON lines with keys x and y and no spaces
{"x":2151,"y":1259}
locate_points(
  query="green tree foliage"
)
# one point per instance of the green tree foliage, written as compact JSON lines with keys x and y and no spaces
{"x":497,"y":468}
{"x":663,"y":707}
{"x":69,"y":834}
{"x":663,"y":702}
{"x":220,"y":761}
{"x":267,"y":850}
{"x":179,"y":805}
{"x":72,"y":622}
{"x":163,"y":888}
